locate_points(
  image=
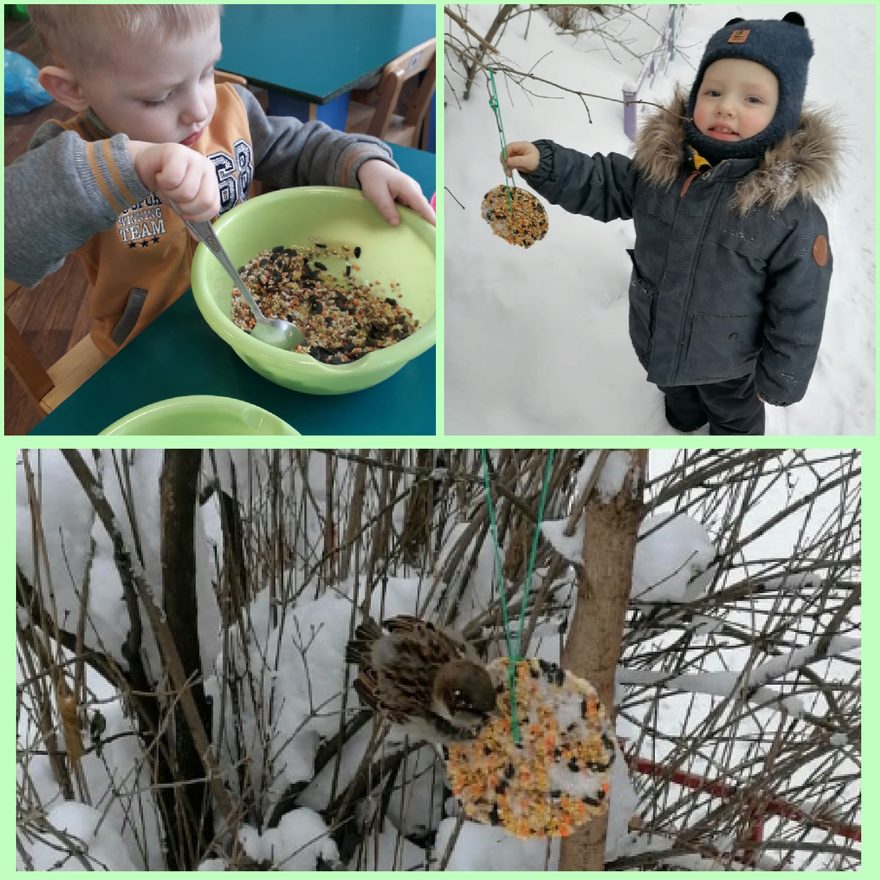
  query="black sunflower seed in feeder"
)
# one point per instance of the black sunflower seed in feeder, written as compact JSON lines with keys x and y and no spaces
{"x":320,"y":244}
{"x":539,"y":801}
{"x":515,"y":215}
{"x":391,"y":301}
{"x":348,"y":271}
{"x":357,"y":251}
{"x":353,"y":319}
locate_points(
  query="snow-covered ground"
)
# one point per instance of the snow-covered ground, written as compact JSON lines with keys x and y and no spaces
{"x":536,"y":340}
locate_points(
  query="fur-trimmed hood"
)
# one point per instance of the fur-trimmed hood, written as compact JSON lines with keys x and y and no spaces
{"x":802,"y":165}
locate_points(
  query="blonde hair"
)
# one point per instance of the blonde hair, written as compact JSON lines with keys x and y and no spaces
{"x":76,"y":37}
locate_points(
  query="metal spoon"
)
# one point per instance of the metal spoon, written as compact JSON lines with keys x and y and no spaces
{"x":273,"y":331}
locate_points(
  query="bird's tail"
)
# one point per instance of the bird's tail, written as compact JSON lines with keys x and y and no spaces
{"x":358,"y":649}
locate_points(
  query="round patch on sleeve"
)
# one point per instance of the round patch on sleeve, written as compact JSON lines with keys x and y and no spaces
{"x":558,"y":777}
{"x":820,"y":251}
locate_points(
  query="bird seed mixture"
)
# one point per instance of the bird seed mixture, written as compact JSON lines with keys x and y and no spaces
{"x":558,"y":777}
{"x":525,"y":224}
{"x":316,"y":287}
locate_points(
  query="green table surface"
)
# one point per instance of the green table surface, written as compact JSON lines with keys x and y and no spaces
{"x":318,"y":52}
{"x":179,"y":354}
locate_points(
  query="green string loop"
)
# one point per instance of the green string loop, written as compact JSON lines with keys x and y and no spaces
{"x":496,"y":109}
{"x":534,"y":549}
{"x":513,"y":647}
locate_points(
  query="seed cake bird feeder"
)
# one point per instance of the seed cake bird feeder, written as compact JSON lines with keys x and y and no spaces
{"x":556,"y":777}
{"x":512,"y":213}
{"x":539,"y":767}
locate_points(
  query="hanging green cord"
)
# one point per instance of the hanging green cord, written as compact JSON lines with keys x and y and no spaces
{"x":513,"y":648}
{"x":511,"y":654}
{"x":534,"y":549}
{"x":496,"y":109}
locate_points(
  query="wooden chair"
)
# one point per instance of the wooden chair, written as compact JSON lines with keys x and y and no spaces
{"x":397,"y":109}
{"x":262,"y":96}
{"x":47,"y":386}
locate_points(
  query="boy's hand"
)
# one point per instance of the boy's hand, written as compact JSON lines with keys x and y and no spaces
{"x":179,"y":175}
{"x":522,"y":156}
{"x":382,"y":185}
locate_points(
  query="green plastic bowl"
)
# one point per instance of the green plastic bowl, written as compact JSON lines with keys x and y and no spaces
{"x":404,"y":254}
{"x":200,"y":414}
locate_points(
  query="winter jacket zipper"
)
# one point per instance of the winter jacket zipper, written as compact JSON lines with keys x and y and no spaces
{"x":707,"y":214}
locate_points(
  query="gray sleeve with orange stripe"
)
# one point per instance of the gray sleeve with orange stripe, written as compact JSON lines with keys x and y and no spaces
{"x":59,"y":194}
{"x":289,"y":152}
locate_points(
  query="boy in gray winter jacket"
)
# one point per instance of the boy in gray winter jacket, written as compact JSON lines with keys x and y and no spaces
{"x":155,"y":138}
{"x":732,"y":263}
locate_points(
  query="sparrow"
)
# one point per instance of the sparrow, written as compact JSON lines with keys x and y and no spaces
{"x":422,"y":676}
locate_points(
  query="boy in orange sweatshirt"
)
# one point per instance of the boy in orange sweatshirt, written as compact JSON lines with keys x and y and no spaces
{"x":151,"y":129}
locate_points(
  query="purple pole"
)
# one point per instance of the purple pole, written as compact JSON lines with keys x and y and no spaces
{"x":629,"y":110}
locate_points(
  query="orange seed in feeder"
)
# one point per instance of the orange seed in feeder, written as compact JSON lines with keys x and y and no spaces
{"x":557,"y":777}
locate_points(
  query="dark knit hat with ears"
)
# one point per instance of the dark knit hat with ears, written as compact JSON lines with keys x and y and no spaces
{"x":783,"y":47}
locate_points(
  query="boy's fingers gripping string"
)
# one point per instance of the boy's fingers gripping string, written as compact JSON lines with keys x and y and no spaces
{"x":496,"y":109}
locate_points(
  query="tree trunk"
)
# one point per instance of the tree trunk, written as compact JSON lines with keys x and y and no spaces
{"x":178,"y":485}
{"x":593,"y":646}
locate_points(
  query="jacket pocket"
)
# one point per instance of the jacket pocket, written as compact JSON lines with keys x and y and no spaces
{"x":642,"y":313}
{"x":722,"y":346}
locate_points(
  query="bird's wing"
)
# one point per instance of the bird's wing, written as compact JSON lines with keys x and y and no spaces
{"x":368,"y":690}
{"x":442,"y":642}
{"x":400,"y":697}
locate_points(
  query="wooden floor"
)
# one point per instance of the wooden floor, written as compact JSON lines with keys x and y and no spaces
{"x":53,"y":316}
